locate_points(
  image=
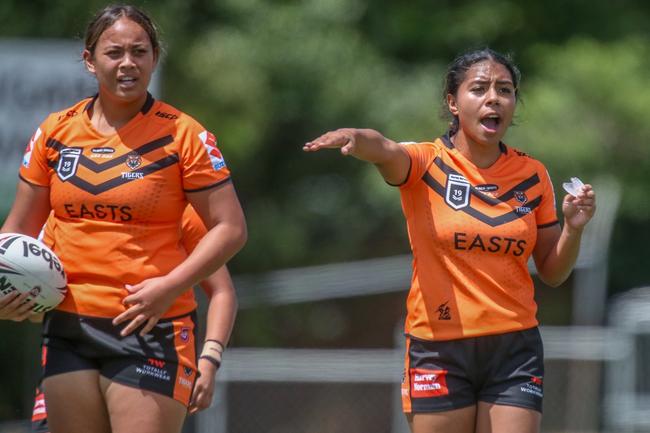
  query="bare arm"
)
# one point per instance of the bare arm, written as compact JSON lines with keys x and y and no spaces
{"x":221,"y":212}
{"x":368,"y":145}
{"x":222,"y":309}
{"x":27,"y":215}
{"x":557,"y":249}
{"x":29,"y":211}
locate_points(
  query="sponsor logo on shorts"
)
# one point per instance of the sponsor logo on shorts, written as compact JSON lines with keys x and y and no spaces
{"x":154,"y":368}
{"x":534,"y":387}
{"x":185,"y":382}
{"x":159,"y":363}
{"x":428,"y":383}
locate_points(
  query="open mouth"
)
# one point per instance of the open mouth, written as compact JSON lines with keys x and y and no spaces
{"x":491,"y":122}
{"x":127,"y":81}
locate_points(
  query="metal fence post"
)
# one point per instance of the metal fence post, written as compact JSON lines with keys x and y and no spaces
{"x":399,"y":424}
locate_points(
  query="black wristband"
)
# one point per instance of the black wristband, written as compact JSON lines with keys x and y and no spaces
{"x":212,"y":360}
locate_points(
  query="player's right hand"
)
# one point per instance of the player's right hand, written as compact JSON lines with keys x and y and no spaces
{"x":343,"y":138}
{"x":13,"y":306}
{"x":203,"y":391}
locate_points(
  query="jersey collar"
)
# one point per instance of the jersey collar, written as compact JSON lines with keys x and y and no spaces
{"x":446,"y":139}
{"x":144,"y":110}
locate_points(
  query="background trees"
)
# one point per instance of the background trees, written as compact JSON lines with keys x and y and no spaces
{"x":266,"y":76}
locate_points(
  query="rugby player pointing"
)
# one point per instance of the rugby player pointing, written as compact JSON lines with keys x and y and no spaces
{"x":120,"y":349}
{"x":476,"y":210}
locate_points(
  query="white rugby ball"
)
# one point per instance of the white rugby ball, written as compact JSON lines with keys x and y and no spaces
{"x":28,"y":266}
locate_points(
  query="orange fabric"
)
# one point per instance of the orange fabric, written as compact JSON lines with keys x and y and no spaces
{"x":472,"y":232}
{"x":184,"y":344}
{"x":405,"y":387}
{"x":118,"y":200}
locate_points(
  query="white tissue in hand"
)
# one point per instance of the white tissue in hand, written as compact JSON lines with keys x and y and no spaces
{"x":574,"y":187}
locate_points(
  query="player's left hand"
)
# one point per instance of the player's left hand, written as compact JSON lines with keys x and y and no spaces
{"x":204,"y":387}
{"x":148,"y":301}
{"x":579,"y":210}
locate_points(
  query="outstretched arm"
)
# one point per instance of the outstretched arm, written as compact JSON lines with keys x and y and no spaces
{"x":557,"y":249}
{"x":368,"y":145}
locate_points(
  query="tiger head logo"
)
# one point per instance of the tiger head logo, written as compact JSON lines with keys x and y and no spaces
{"x":133,"y":161}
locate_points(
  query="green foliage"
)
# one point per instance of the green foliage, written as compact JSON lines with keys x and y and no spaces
{"x":583,"y":114}
{"x":266,"y":76}
{"x":281,"y":77}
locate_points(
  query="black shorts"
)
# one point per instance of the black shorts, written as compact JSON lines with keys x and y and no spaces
{"x":163,"y":361}
{"x":505,"y":369}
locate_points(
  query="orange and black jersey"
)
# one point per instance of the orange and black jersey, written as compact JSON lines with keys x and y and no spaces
{"x":472,"y":232}
{"x":117,"y":200}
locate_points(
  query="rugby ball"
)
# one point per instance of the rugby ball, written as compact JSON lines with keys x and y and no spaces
{"x":28,"y":266}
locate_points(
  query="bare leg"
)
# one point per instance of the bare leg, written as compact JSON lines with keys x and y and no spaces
{"x":75,"y":403}
{"x":136,"y":410}
{"x":494,"y":418}
{"x":452,"y":421}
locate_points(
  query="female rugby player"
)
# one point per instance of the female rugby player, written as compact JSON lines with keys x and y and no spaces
{"x":476,"y":210}
{"x":118,"y":170}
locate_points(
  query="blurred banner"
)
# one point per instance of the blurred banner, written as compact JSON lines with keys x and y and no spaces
{"x":37,"y":77}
